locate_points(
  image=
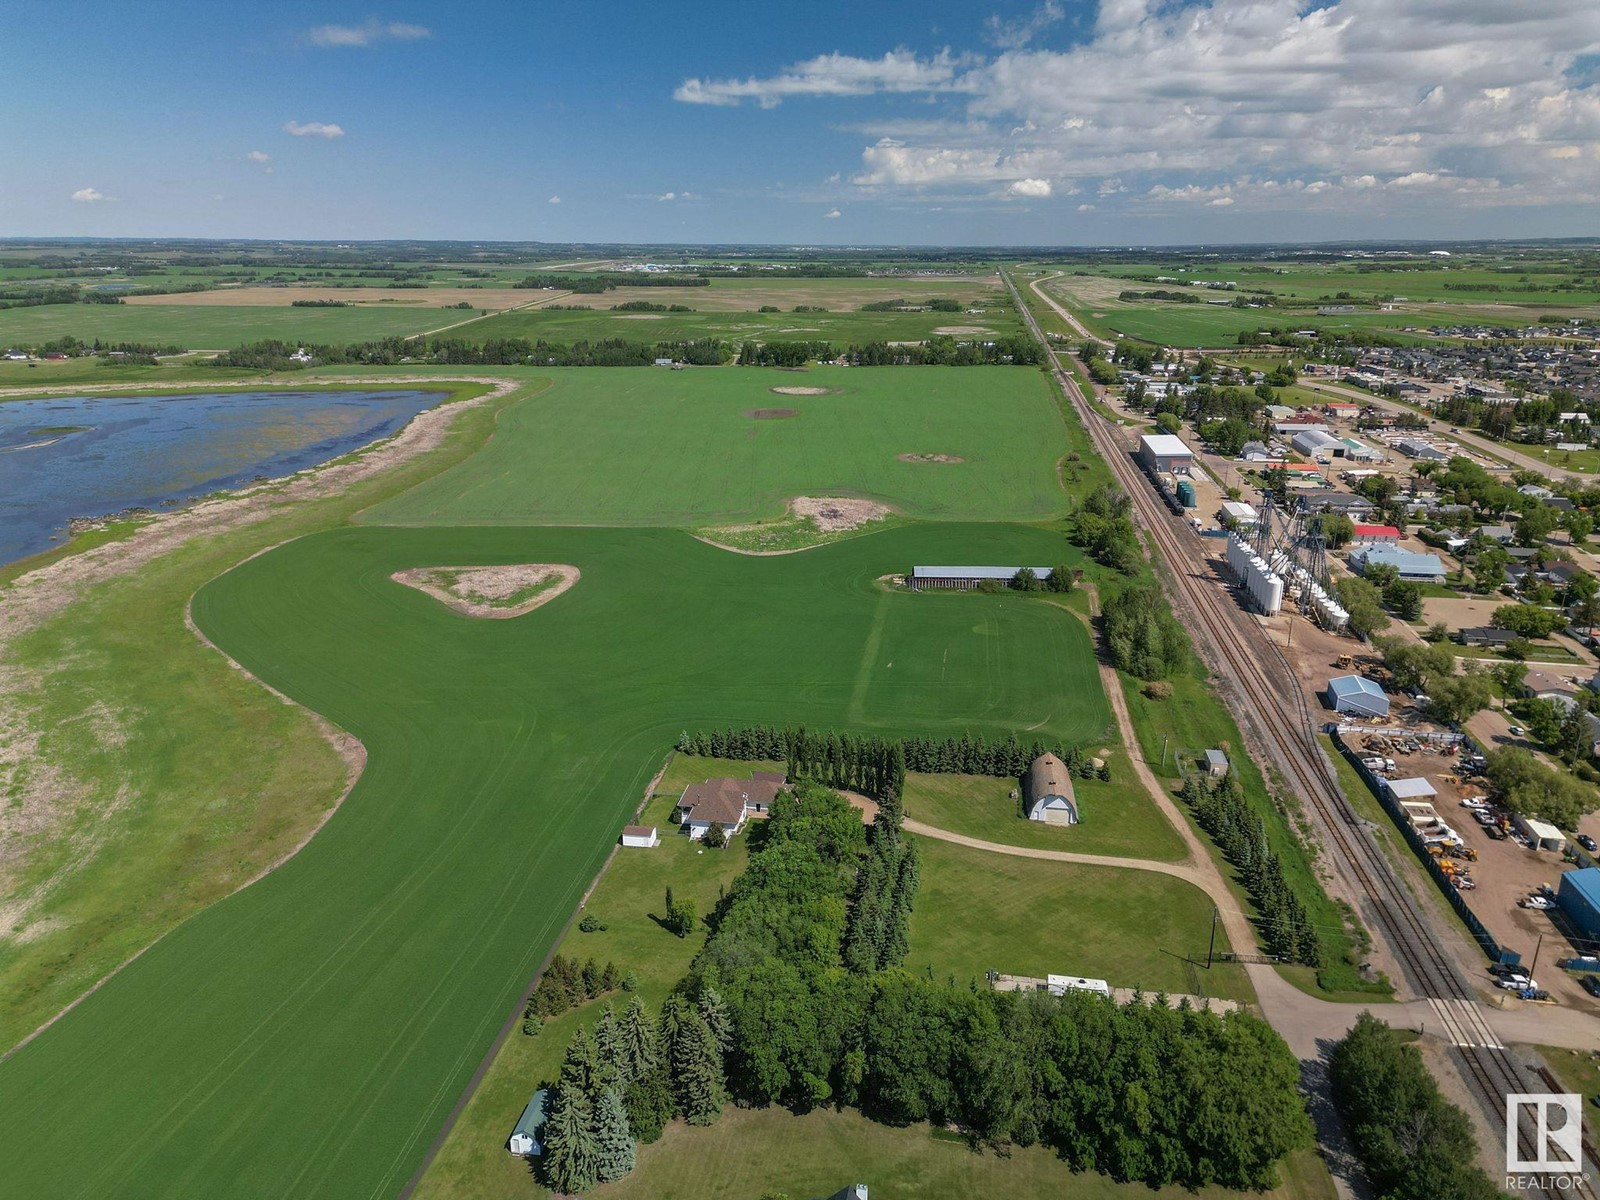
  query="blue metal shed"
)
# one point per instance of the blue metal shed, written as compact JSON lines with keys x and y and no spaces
{"x":1357,"y":695}
{"x":527,"y":1139}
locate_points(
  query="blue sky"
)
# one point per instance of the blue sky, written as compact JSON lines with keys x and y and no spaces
{"x":1061,"y":122}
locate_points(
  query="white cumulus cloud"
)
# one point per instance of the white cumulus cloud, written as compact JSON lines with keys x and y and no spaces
{"x":321,"y":129}
{"x":89,"y":195}
{"x":366,"y":35}
{"x":833,"y":214}
{"x":1014,"y":35}
{"x":1029,"y":187}
{"x":899,"y":71}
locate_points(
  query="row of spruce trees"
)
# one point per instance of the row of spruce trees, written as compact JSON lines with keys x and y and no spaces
{"x":1241,"y":833}
{"x":874,"y":766}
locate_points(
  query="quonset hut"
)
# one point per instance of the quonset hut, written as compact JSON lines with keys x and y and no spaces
{"x":1047,"y":792}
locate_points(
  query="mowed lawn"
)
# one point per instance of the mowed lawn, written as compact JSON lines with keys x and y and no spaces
{"x":631,"y":446}
{"x":978,"y":911}
{"x":307,"y":1036}
{"x":210,"y":327}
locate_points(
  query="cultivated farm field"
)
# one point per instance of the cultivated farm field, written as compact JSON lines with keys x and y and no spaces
{"x":840,"y":327}
{"x":209,"y":327}
{"x":656,"y":447}
{"x":335,"y":1009}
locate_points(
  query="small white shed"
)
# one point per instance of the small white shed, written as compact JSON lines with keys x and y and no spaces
{"x":1544,"y":835}
{"x":641,"y":836}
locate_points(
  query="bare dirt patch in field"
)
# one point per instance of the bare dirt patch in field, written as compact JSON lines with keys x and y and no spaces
{"x":496,"y":592}
{"x":772,"y":414}
{"x":638,"y":316}
{"x":957,"y":330}
{"x":930,"y":458}
{"x":804,"y":391}
{"x":836,"y":514}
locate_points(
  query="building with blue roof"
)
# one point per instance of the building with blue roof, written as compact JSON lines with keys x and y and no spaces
{"x":1579,"y":897}
{"x":1416,"y":568}
{"x":1356,"y":695}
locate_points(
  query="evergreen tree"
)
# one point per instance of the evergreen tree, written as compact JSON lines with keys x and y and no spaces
{"x":571,"y":1153}
{"x":714,"y":1012}
{"x":698,"y":1087}
{"x":614,"y":1146}
{"x":640,"y":1046}
{"x":648,"y":1102}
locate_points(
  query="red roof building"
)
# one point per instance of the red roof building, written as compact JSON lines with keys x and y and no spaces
{"x":1377,"y":534}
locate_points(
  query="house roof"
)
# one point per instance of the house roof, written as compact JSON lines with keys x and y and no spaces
{"x":639,"y":831}
{"x":1167,"y":445}
{"x":1377,"y":531}
{"x":725,"y":800}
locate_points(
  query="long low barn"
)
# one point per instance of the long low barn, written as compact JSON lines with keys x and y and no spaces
{"x":967,"y":578}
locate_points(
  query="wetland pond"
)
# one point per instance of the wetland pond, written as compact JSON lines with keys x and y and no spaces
{"x":63,"y":457}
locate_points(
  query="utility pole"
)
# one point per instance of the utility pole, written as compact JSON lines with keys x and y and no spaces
{"x":1536,"y":947}
{"x":1165,"y":738}
{"x":1212,"y":949}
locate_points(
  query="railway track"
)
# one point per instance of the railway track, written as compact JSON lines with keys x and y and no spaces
{"x":1274,"y":706}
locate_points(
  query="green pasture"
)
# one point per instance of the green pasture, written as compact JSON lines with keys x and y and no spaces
{"x":646,"y":446}
{"x":842,"y":327}
{"x":215,"y":327}
{"x":978,"y":911}
{"x":310,"y":1032}
{"x":1118,"y":817}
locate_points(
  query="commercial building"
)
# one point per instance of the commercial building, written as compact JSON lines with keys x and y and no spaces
{"x":1164,"y":452}
{"x":1240,"y":514}
{"x":1410,"y":789}
{"x":1579,"y":897}
{"x":1377,"y":535}
{"x":1357,"y":696}
{"x":1415,"y":568}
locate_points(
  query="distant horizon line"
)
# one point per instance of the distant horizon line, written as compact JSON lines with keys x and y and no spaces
{"x":995,"y":247}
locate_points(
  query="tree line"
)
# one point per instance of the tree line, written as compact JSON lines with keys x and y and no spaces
{"x":565,"y":985}
{"x":593,"y":285}
{"x":1241,"y":833}
{"x":875,"y":766}
{"x":1103,"y":526}
{"x":1413,"y":1143}
{"x":1142,"y":636}
{"x":274,"y":355}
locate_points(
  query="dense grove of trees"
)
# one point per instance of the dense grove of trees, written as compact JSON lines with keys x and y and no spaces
{"x":1103,"y":526}
{"x":1413,"y":1143}
{"x":945,"y":351}
{"x":785,"y":354}
{"x":565,"y":985}
{"x":274,"y":355}
{"x":1222,"y":811}
{"x":937,"y":304}
{"x":876,"y":767}
{"x":1142,"y":636}
{"x":1529,"y":787}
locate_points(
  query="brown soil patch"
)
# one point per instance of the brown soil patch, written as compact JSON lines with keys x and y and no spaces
{"x":834,"y":514}
{"x":772,"y":414}
{"x":957,"y":330}
{"x":804,"y":391}
{"x":930,"y":458}
{"x":497,"y":592}
{"x":639,"y":316}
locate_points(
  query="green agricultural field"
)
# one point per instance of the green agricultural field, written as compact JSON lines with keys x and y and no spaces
{"x":212,"y":327}
{"x":979,"y":911}
{"x":841,"y":327}
{"x":648,"y":446}
{"x":336,"y":1009}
